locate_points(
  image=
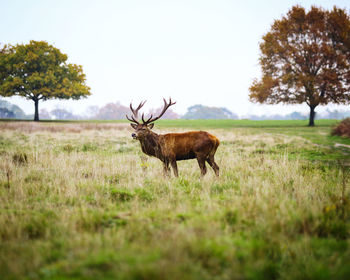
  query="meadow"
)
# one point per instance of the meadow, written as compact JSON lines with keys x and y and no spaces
{"x":78,"y":200}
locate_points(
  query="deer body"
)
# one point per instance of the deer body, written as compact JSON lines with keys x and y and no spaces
{"x":172,"y":147}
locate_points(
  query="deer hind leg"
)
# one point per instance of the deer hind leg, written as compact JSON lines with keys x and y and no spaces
{"x":213,"y":165}
{"x":174,"y":166}
{"x":201,"y":163}
{"x":166,"y":169}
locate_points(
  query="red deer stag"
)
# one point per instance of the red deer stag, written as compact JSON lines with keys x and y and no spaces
{"x":174,"y":146}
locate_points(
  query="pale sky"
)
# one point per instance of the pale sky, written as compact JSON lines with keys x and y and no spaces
{"x":197,"y":52}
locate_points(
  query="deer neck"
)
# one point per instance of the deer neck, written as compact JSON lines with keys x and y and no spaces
{"x":150,"y":145}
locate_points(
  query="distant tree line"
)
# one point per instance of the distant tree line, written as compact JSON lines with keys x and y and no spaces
{"x":117,"y":111}
{"x":204,"y":112}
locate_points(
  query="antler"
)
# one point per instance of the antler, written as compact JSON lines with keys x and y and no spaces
{"x":135,"y":112}
{"x":166,"y":106}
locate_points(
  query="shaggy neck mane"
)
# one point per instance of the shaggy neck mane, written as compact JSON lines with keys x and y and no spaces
{"x":150,"y":145}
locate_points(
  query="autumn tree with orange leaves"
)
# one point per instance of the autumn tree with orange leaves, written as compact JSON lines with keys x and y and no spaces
{"x":305,"y":57}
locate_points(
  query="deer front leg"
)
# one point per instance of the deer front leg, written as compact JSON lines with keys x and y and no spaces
{"x":174,"y":166}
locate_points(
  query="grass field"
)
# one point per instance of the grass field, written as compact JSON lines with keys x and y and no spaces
{"x":78,"y":201}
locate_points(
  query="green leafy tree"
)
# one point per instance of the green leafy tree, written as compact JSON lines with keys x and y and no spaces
{"x":305,"y":57}
{"x":39,"y":71}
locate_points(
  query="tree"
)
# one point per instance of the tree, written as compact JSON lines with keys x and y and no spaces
{"x":45,"y":114}
{"x":62,"y":114}
{"x":296,"y":116}
{"x":112,"y":111}
{"x":168,"y":115}
{"x":16,"y":112}
{"x":6,"y":113}
{"x":204,"y":112}
{"x":39,"y":71}
{"x":305,"y":57}
{"x":91,"y":111}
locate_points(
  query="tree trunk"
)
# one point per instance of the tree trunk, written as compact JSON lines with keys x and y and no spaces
{"x":36,"y":112}
{"x":312,"y":115}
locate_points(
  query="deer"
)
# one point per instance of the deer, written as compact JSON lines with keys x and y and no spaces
{"x":172,"y":147}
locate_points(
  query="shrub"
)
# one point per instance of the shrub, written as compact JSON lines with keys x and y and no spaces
{"x":144,"y":195}
{"x":342,"y":129}
{"x":20,"y":158}
{"x":89,"y":147}
{"x":121,"y":195}
{"x":68,"y":148}
{"x":93,"y":221}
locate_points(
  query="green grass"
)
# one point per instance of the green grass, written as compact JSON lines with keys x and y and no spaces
{"x":242,"y":123}
{"x":78,"y":201}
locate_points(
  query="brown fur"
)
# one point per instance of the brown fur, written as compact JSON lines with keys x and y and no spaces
{"x":172,"y":147}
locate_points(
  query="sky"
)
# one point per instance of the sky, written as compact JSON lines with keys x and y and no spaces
{"x":195,"y":51}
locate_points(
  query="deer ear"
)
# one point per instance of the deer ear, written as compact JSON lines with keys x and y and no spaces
{"x":134,"y":126}
{"x":150,"y":126}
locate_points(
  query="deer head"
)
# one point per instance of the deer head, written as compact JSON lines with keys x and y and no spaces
{"x":144,"y":128}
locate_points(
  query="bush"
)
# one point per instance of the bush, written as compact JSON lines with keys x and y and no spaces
{"x":20,"y":158}
{"x":342,"y":129}
{"x":121,"y":195}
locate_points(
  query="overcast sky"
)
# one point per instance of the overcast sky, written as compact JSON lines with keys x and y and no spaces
{"x":197,"y":52}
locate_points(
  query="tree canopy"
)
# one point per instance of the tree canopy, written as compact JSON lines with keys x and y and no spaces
{"x":305,"y":57}
{"x":39,"y":71}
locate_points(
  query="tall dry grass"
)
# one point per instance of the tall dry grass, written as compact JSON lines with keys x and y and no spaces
{"x":32,"y":127}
